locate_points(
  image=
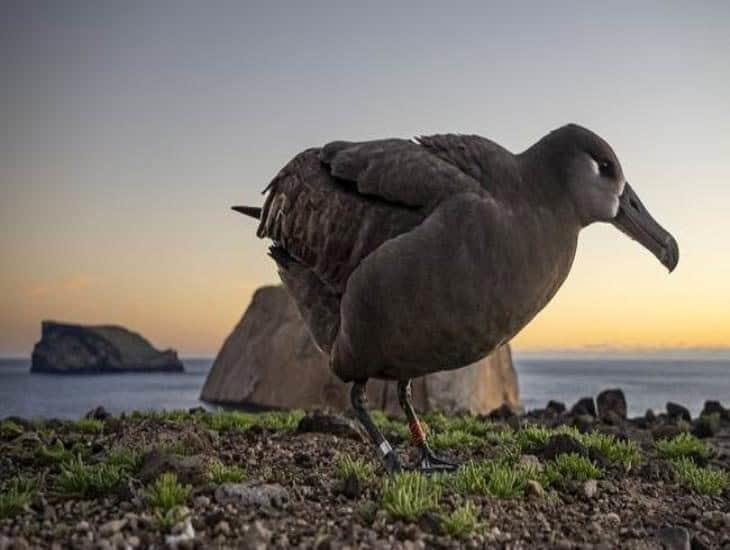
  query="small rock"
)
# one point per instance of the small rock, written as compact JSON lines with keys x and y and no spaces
{"x":534,"y":489}
{"x":222,"y":529}
{"x":562,"y":444}
{"x":531,"y":461}
{"x":676,"y":412}
{"x":351,"y":487}
{"x":556,"y":406}
{"x":715,"y":407}
{"x":649,"y":416}
{"x":134,"y":541}
{"x":82,"y":526}
{"x":189,"y":469}
{"x":716,"y":519}
{"x":707,"y":425}
{"x":182,"y":537}
{"x":612,"y":517}
{"x":201,"y":501}
{"x":590,"y":488}
{"x":99,"y":413}
{"x":503,"y":412}
{"x":256,"y":536}
{"x":19,"y":543}
{"x":252,"y":494}
{"x":666,"y":431}
{"x":611,"y":401}
{"x":110,"y":527}
{"x":319,"y":422}
{"x":584,"y":406}
{"x":584,"y":423}
{"x":674,"y":538}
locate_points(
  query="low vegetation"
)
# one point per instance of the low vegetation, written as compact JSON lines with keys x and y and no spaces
{"x":220,"y":473}
{"x":502,"y":480}
{"x":683,"y":446}
{"x":409,"y":495}
{"x":10,"y":429}
{"x":348,"y":467}
{"x":85,"y":481}
{"x":572,"y":466}
{"x":167,"y":493}
{"x":702,"y":480}
{"x":87,"y":426}
{"x":16,"y":496}
{"x":462,"y":522}
{"x":241,"y":421}
{"x":616,"y":451}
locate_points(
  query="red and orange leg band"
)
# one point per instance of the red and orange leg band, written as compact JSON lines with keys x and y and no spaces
{"x":418,"y":435}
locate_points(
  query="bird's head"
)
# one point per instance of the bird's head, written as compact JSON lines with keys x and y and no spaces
{"x":596,"y":184}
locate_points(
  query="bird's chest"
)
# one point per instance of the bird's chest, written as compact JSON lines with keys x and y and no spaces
{"x":501,"y":280}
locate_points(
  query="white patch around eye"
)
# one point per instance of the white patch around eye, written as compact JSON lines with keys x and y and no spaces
{"x":621,"y":188}
{"x":614,"y":207}
{"x":594,"y":166}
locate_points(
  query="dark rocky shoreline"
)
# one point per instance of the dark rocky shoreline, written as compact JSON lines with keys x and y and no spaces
{"x":280,"y":480}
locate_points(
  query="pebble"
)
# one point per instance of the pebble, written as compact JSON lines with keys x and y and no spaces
{"x":612,"y":517}
{"x":82,"y":526}
{"x":251,"y":494}
{"x":534,"y":489}
{"x":590,"y":488}
{"x":531,"y":461}
{"x":110,"y":527}
{"x":222,"y":528}
{"x":134,"y":541}
{"x":674,"y":538}
{"x":201,"y":501}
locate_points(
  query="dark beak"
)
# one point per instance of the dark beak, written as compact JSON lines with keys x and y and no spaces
{"x":634,"y":220}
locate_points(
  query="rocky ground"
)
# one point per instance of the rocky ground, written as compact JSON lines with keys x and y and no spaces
{"x":195,"y":479}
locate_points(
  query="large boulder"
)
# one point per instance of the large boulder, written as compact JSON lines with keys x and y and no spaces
{"x":270,"y":360}
{"x":76,"y":349}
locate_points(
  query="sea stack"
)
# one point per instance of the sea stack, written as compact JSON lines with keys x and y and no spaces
{"x":78,"y":349}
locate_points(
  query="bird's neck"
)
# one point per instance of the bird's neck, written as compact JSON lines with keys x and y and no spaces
{"x":544,"y":184}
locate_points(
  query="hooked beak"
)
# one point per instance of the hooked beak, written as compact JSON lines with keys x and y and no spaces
{"x":634,"y":219}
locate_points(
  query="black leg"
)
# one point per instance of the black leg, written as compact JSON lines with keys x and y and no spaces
{"x":390,"y":458}
{"x":428,"y":462}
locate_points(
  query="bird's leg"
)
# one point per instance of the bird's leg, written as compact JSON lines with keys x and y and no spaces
{"x":358,"y":398}
{"x":428,"y":462}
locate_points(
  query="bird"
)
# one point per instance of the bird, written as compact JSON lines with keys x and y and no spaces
{"x":411,"y":256}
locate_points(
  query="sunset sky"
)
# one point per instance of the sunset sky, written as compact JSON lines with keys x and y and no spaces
{"x":131,"y":127}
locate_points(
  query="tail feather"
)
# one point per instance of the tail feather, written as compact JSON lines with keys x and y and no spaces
{"x":253,"y":211}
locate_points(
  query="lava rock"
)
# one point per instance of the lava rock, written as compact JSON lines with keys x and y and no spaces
{"x":676,"y":411}
{"x":503,"y":412}
{"x":320,"y":422}
{"x":584,"y":406}
{"x":252,"y":494}
{"x":351,"y":487}
{"x":665,"y":431}
{"x":189,"y":469}
{"x":556,"y":406}
{"x":715,"y":407}
{"x":707,"y":425}
{"x":611,"y":404}
{"x":584,"y":423}
{"x":534,"y":489}
{"x":674,"y":538}
{"x":589,"y":488}
{"x":99,"y":413}
{"x":562,"y":444}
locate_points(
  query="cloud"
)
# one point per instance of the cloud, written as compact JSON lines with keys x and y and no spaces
{"x":78,"y":282}
{"x":74,"y":283}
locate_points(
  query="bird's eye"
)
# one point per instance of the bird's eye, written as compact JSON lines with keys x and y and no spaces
{"x":605,"y":168}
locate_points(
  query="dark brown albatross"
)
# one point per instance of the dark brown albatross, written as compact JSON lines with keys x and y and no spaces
{"x":410,"y":257}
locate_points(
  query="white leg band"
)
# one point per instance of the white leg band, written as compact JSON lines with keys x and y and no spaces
{"x":385,"y":448}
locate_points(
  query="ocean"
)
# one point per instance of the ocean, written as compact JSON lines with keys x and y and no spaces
{"x":647,"y":383}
